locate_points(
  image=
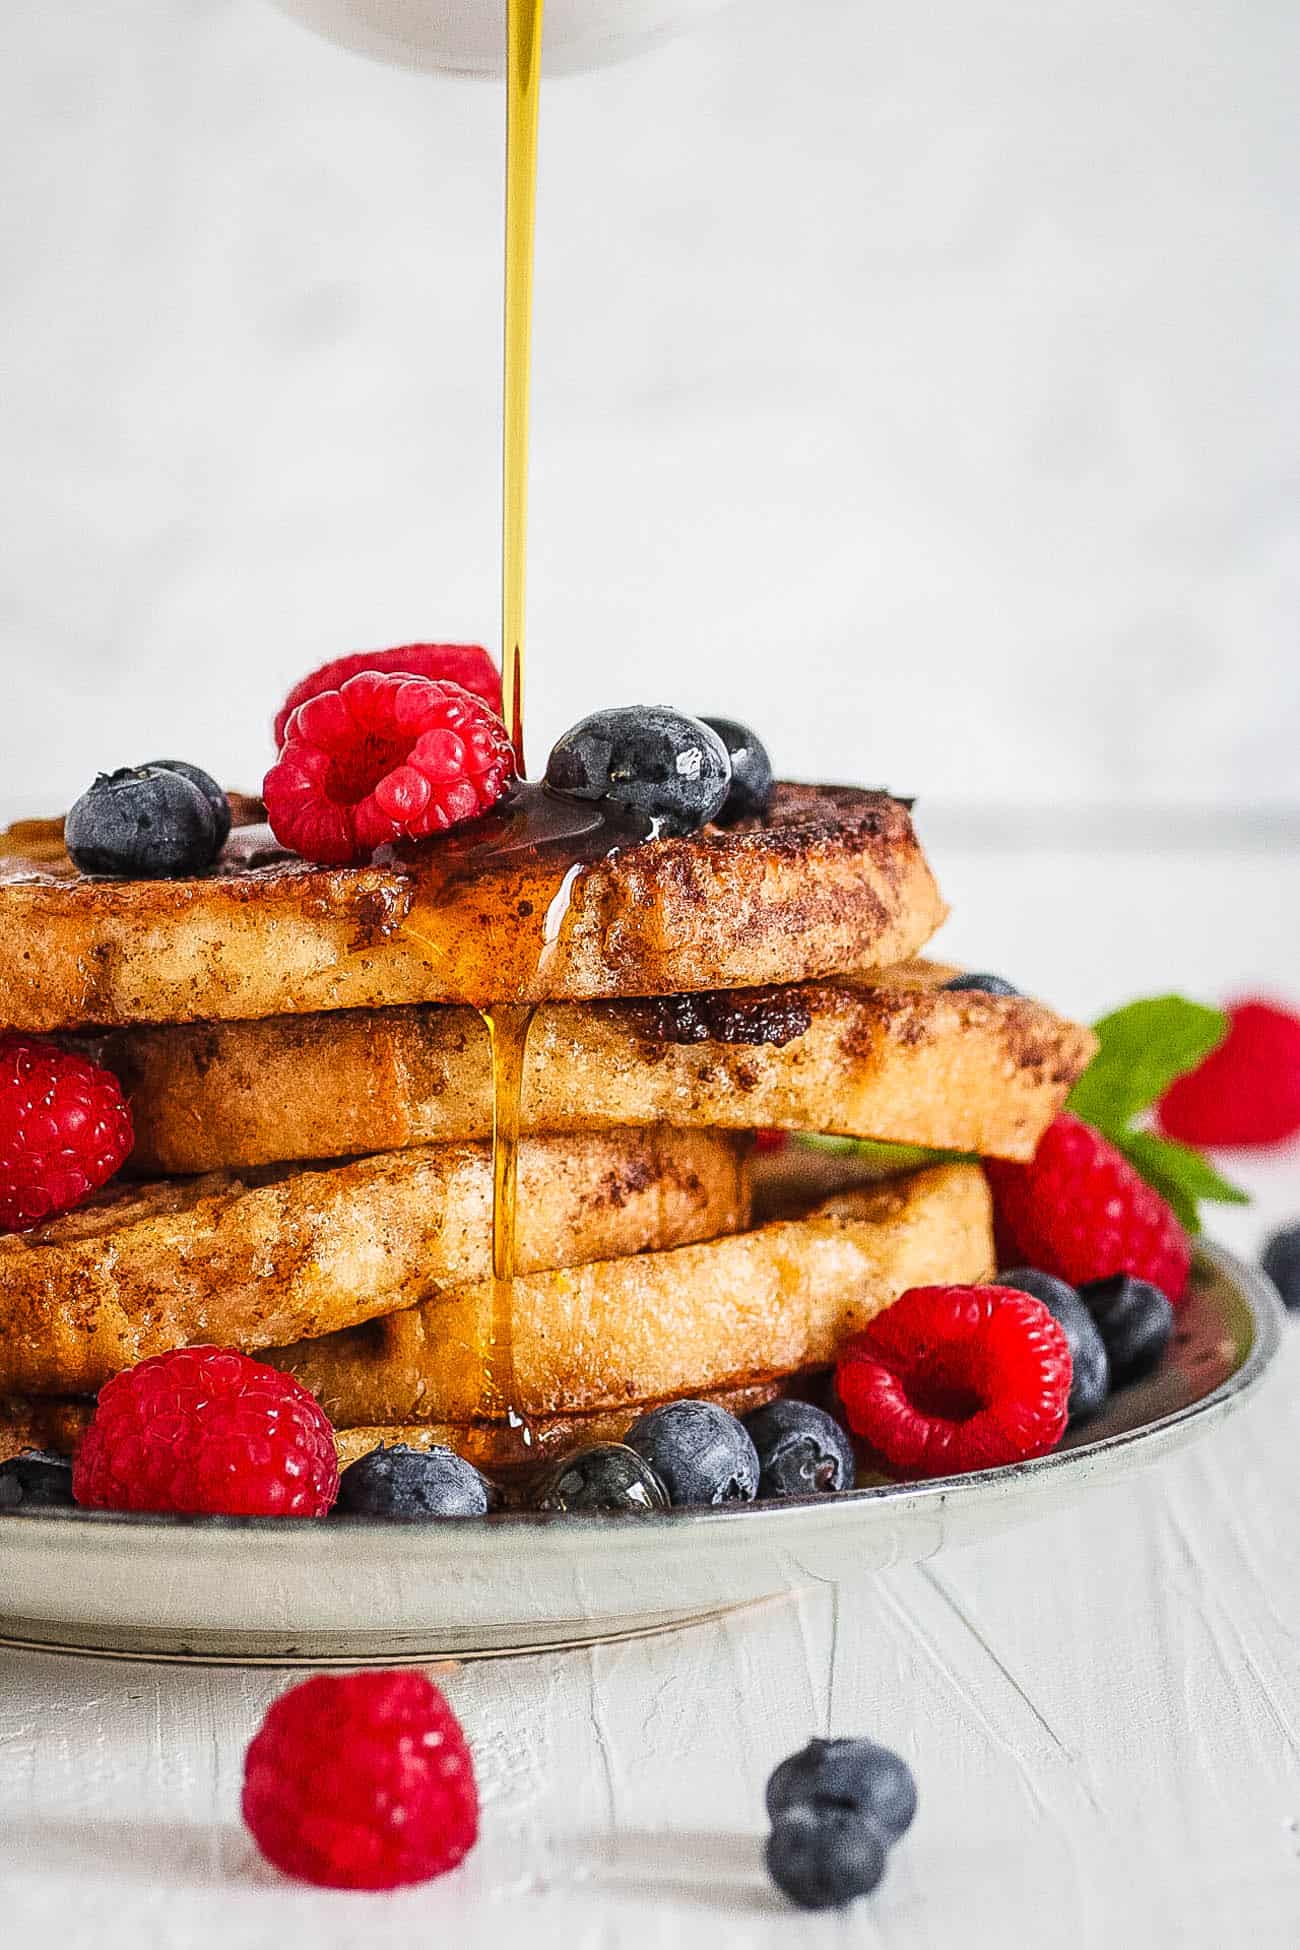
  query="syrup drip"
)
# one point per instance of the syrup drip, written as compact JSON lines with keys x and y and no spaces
{"x":544,"y":844}
{"x":507,"y":1023}
{"x":495,"y":896}
{"x":504,"y":890}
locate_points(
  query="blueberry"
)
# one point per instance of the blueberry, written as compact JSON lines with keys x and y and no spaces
{"x":645,"y":759}
{"x":823,"y":1858}
{"x":982,"y":985}
{"x":1089,"y":1361}
{"x":404,"y":1482}
{"x":608,"y":1477}
{"x":212,"y":792}
{"x":1135,"y":1320}
{"x":751,"y":770}
{"x":700,"y":1453}
{"x":36,"y":1480}
{"x":1281,"y":1262}
{"x":147,"y":824}
{"x":801,"y":1450}
{"x":858,"y":1775}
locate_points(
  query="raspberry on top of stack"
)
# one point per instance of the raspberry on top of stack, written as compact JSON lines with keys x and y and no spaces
{"x":262,"y":1022}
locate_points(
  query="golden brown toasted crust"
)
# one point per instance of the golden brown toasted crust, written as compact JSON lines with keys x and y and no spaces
{"x":733,"y":1313}
{"x":955,"y":1071}
{"x":833,"y":880}
{"x":288,"y":1253}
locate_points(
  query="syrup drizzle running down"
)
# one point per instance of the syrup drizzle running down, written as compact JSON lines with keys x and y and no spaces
{"x":532,"y":851}
{"x":497,"y":895}
{"x":507,"y":1024}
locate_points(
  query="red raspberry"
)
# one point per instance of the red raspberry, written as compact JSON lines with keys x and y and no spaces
{"x":361,"y":1782}
{"x":207,"y":1431}
{"x":454,"y":663}
{"x":64,"y":1130}
{"x":1245,"y":1092}
{"x":381,"y":759}
{"x":1080,"y":1210}
{"x":952,"y":1378}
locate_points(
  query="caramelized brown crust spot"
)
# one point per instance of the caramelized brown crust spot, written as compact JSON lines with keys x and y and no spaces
{"x":771,"y":1016}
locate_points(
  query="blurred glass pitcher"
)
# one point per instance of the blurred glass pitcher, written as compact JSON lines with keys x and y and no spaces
{"x":469,"y":36}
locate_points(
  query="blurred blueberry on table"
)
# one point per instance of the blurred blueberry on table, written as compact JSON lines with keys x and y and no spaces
{"x":824,"y":1857}
{"x":860,"y":1775}
{"x":1135,"y":1320}
{"x":802,"y":1451}
{"x":36,"y":1480}
{"x":1090,"y":1363}
{"x":1281,"y":1261}
{"x":751,"y":770}
{"x":701,"y":1454}
{"x":609,"y":1479}
{"x":419,"y":1483}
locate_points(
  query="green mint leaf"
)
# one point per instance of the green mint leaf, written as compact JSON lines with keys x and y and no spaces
{"x":878,"y":1157}
{"x":1143,"y":1048}
{"x":1179,"y":1174}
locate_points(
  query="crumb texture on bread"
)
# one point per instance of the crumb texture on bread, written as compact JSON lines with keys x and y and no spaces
{"x":735,"y":1312}
{"x":900,"y":1064}
{"x":256,"y":1261}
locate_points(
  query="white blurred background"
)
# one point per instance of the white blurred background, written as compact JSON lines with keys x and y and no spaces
{"x":919,"y":383}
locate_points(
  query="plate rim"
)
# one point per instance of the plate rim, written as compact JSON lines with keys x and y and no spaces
{"x":1251,"y":1284}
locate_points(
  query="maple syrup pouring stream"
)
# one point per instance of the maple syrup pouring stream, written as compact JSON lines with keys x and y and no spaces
{"x":523,"y":97}
{"x":508,"y":1024}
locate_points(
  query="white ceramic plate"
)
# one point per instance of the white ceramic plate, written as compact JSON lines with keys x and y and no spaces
{"x":357,"y":1591}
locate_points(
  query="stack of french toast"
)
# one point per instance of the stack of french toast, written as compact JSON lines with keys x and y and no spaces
{"x":310,"y":1079}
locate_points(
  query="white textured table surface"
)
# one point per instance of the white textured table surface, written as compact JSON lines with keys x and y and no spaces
{"x":1103,"y":1711}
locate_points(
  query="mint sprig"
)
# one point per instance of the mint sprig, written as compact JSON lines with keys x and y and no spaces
{"x":1180,"y":1175}
{"x":1144,"y":1047}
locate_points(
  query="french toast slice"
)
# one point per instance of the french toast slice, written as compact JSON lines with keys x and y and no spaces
{"x":735,"y":1312}
{"x":902,"y":1061}
{"x":288,"y":1252}
{"x":832,"y":880}
{"x":497,"y":1447}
